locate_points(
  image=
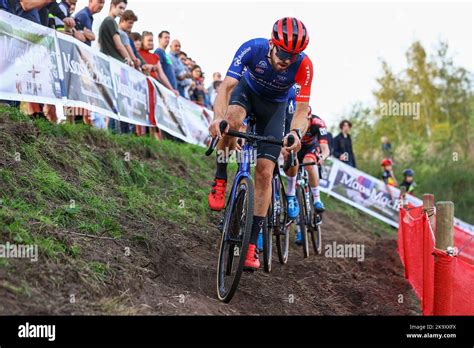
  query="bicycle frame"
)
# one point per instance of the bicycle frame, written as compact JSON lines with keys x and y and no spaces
{"x":245,"y":163}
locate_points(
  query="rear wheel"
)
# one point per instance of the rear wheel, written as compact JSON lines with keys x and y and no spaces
{"x":301,"y":223}
{"x":235,"y":240}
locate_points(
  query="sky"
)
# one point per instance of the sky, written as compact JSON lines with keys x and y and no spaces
{"x":347,"y":39}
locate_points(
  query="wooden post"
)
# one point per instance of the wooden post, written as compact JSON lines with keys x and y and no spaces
{"x":428,"y":207}
{"x":403,"y":201}
{"x":443,"y":268}
{"x":444,"y":225}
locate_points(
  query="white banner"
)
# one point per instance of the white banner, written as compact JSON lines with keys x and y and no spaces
{"x":28,"y":61}
{"x":368,"y":193}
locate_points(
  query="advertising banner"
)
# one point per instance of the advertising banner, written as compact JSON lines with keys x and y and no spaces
{"x":131,"y":93}
{"x":28,"y":62}
{"x":196,"y":123}
{"x":168,"y":118}
{"x":87,"y":77}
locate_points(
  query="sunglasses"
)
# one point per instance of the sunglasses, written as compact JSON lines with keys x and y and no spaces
{"x":283,"y":55}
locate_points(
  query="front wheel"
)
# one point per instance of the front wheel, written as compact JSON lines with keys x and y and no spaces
{"x":282,"y":232}
{"x":315,"y":229}
{"x":235,"y":240}
{"x":301,"y":222}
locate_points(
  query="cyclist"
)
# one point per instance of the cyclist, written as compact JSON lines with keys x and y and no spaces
{"x":257,"y":82}
{"x":314,"y":148}
{"x":291,"y":173}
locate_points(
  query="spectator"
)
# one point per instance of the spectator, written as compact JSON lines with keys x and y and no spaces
{"x":387,"y":175}
{"x":156,"y":72}
{"x":408,"y":183}
{"x":84,"y":19}
{"x":153,"y":60}
{"x":343,"y":144}
{"x":387,"y":172}
{"x":330,"y":143}
{"x":215,"y":89}
{"x":127,"y":21}
{"x":386,"y":147}
{"x":165,"y":60}
{"x":197,"y":92}
{"x":215,"y":77}
{"x":67,"y":8}
{"x":109,"y":36}
{"x":186,"y":83}
{"x":180,"y":70}
{"x":111,"y":45}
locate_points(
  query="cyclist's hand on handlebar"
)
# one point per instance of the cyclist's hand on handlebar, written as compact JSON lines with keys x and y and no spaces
{"x":296,"y":145}
{"x":214,"y":128}
{"x":321,"y":159}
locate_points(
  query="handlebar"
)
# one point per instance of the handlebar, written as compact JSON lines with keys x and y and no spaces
{"x":249,"y":137}
{"x":215,"y":140}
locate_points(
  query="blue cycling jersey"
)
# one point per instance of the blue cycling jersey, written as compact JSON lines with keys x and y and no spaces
{"x":251,"y":62}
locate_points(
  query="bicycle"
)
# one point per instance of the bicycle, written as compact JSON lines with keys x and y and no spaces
{"x":308,"y":217}
{"x":238,"y":213}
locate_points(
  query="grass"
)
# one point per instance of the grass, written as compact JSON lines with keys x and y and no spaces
{"x":74,"y":178}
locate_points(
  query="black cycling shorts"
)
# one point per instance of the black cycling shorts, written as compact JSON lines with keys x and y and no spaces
{"x":308,"y":150}
{"x":270,"y":117}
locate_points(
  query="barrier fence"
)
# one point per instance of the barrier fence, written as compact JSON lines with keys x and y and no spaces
{"x":438,"y":258}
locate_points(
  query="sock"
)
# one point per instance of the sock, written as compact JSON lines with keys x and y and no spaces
{"x":291,"y":190}
{"x":316,"y":195}
{"x":256,"y":227}
{"x":221,"y":171}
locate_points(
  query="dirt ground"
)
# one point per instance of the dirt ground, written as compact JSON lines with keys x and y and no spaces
{"x":174,"y":272}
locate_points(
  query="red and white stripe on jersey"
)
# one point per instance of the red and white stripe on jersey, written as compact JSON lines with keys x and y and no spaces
{"x":303,"y":79}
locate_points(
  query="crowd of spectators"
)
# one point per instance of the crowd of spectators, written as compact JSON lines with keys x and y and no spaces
{"x":167,"y":63}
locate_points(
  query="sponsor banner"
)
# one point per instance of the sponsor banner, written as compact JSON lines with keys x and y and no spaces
{"x":169,"y":121}
{"x":28,"y":62}
{"x":369,"y":194}
{"x":131,"y":93}
{"x":87,"y":77}
{"x":196,"y":122}
{"x":364,"y":192}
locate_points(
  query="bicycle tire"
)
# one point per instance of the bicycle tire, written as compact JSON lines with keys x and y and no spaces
{"x":282,"y":237}
{"x":267,"y":244}
{"x":315,"y":229}
{"x":302,"y":220}
{"x":239,"y":214}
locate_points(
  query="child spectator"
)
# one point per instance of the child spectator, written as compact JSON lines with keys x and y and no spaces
{"x":408,"y":182}
{"x":387,"y":175}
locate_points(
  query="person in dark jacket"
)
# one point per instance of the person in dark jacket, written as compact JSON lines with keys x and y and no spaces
{"x":343,"y":144}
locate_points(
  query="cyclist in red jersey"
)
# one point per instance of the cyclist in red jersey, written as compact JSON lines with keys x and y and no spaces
{"x":314,"y":148}
{"x":258,"y":82}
